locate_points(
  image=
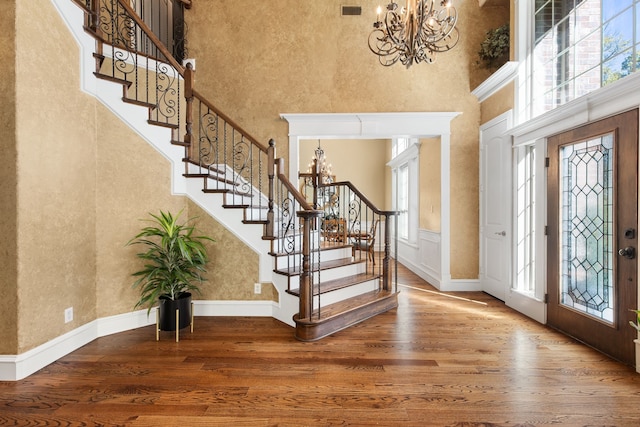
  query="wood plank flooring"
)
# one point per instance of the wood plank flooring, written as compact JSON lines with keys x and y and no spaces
{"x":462,"y":359}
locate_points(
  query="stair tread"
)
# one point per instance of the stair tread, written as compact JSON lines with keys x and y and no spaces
{"x":138,"y":102}
{"x":163,"y":124}
{"x":226,"y":191}
{"x":345,"y":306}
{"x":340,"y":283}
{"x":324,"y":265}
{"x":112,"y":79}
{"x":210,"y":167}
{"x":325,"y":247}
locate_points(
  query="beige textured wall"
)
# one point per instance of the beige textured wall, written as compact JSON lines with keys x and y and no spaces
{"x":233,"y":266}
{"x":134,"y":179}
{"x":256,"y":60}
{"x":8,"y":182}
{"x":361,"y":161}
{"x":430,"y":184}
{"x":498,"y":103}
{"x":80,"y":183}
{"x":56,"y":179}
{"x":122,"y":209}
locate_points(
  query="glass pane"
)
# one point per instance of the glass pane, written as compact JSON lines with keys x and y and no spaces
{"x":540,"y":3}
{"x":587,"y":18}
{"x":586,"y":241}
{"x":617,"y":67}
{"x":565,"y":67}
{"x":403,"y":202}
{"x":564,"y":36}
{"x":611,"y":8}
{"x":587,"y":53}
{"x":525,"y":220}
{"x":564,"y":93}
{"x":543,"y":21}
{"x":617,"y":35}
{"x":587,"y":82}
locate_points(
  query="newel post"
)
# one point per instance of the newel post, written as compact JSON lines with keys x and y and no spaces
{"x":306,"y":288}
{"x":189,"y":80}
{"x":386,"y":262}
{"x":271,"y":170}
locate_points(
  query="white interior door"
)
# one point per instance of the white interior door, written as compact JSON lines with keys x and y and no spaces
{"x":495,"y":206}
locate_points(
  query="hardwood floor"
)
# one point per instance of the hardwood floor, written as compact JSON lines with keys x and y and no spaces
{"x":438,"y":360}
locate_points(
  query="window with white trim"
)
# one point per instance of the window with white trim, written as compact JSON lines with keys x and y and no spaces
{"x":405,"y":166}
{"x":578,"y":46}
{"x":403,"y":201}
{"x":525,"y":220}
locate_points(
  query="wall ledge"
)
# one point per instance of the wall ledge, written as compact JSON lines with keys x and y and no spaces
{"x":496,"y":81}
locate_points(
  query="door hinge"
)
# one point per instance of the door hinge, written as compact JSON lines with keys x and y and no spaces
{"x":546,"y":162}
{"x":546,"y":230}
{"x":546,"y":298}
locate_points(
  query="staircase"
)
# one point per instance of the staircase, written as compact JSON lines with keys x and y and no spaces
{"x":324,"y":283}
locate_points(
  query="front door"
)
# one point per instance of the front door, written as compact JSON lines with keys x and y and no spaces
{"x":592,"y":237}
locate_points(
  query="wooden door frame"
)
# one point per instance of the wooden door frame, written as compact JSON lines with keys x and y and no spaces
{"x":564,"y":318}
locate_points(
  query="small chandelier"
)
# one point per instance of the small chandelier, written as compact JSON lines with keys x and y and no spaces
{"x":414,"y":33}
{"x":324,"y":170}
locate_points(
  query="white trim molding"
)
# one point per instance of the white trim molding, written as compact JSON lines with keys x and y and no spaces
{"x":503,"y":76}
{"x":385,"y":126}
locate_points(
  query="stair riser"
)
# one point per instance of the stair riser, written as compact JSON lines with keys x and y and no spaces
{"x":306,"y":331}
{"x":326,"y":255}
{"x":342,"y":294}
{"x":339,"y":272}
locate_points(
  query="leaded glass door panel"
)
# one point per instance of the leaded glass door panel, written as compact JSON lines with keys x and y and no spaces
{"x":592,"y":217}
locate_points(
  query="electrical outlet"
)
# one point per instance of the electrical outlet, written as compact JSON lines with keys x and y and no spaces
{"x":257,"y":288}
{"x":68,"y":315}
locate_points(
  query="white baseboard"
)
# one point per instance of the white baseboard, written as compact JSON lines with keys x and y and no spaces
{"x":461,"y":285}
{"x":234,"y":308}
{"x":17,"y":367}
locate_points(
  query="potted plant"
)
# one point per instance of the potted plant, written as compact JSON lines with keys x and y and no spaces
{"x":636,"y":325}
{"x":494,"y":50}
{"x":174,"y":261}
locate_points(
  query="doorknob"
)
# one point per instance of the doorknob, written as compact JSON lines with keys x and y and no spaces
{"x":628,"y":252}
{"x":501,"y":233}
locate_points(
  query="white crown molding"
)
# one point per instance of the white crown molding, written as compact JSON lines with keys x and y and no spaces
{"x":607,"y":101}
{"x":496,"y":81}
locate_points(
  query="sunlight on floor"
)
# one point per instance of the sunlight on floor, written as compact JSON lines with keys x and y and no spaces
{"x":442,"y":294}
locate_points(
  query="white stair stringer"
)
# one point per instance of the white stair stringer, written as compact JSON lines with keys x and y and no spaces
{"x":160,"y":138}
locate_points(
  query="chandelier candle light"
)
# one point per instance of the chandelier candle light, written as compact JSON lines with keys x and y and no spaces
{"x":414,"y":33}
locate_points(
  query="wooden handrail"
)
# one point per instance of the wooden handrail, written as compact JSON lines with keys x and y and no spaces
{"x":362,"y":197}
{"x":291,"y":188}
{"x":230,"y":121}
{"x":187,"y":3}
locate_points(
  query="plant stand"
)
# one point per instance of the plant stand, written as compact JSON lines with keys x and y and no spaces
{"x":177,"y":323}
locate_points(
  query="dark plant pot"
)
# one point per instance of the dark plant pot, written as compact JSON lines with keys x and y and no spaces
{"x":167,"y":312}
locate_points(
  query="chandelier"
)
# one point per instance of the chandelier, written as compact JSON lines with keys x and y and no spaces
{"x":324,"y":170}
{"x":414,"y":33}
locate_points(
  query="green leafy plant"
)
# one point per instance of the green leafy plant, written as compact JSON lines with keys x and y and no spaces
{"x":174,"y":259}
{"x":494,"y":50}
{"x":636,"y":325}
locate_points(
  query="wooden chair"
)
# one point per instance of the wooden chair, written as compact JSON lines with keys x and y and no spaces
{"x":334,"y":230}
{"x":366,"y":242}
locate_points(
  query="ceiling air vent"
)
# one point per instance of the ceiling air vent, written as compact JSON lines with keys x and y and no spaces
{"x":351,"y":10}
